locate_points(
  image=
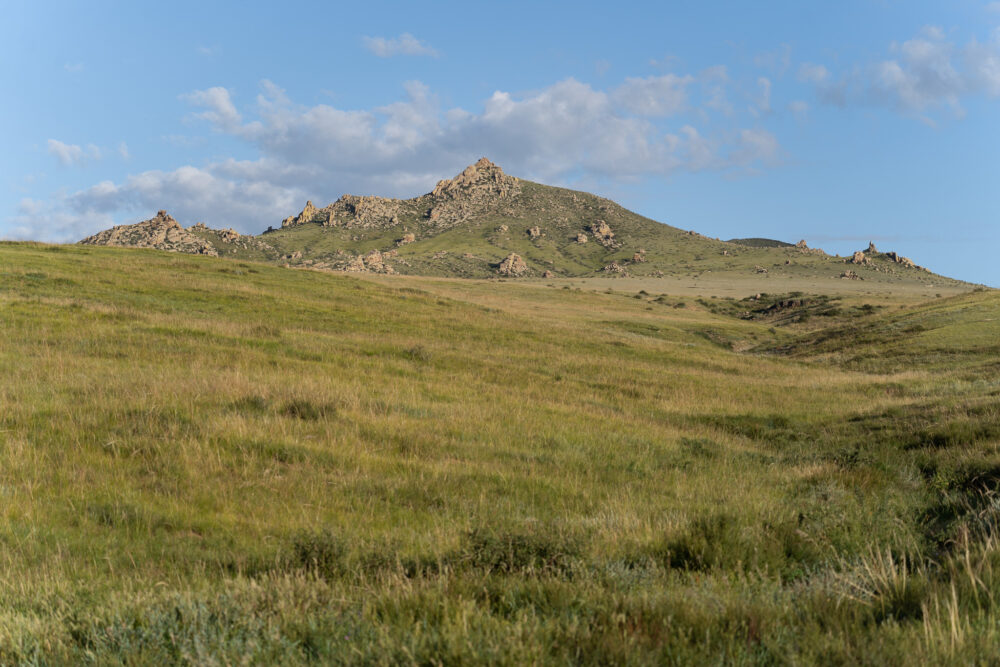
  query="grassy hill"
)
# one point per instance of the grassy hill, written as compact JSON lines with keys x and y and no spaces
{"x":468,"y":225}
{"x":207,"y":461}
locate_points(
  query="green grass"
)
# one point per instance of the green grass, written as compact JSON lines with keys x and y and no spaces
{"x":207,"y":461}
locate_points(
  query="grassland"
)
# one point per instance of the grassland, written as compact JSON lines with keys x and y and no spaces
{"x":207,"y":461}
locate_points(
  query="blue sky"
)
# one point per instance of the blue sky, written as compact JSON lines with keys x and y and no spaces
{"x":837,"y":123}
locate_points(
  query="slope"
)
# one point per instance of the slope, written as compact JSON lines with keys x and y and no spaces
{"x":218,"y":462}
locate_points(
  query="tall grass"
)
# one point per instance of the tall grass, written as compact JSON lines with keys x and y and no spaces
{"x":201,"y":466}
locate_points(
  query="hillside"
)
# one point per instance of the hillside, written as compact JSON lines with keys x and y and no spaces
{"x":484,"y":223}
{"x":214,"y":462}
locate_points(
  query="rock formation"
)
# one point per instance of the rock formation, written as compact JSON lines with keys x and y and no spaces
{"x":602,"y":233}
{"x":308,"y":213}
{"x":859,"y":258}
{"x":512,"y":266}
{"x":161,"y":232}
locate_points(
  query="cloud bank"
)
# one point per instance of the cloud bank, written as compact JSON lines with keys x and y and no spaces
{"x":560,"y":134}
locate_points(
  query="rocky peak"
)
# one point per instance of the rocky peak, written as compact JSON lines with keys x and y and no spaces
{"x":161,"y":232}
{"x":308,"y":213}
{"x":481,"y":178}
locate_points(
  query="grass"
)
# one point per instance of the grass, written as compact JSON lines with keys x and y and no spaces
{"x":199,"y":465}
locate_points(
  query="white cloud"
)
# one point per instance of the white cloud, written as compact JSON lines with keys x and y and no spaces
{"x":219,"y":108}
{"x":54,"y":223}
{"x":778,"y":60}
{"x":72,"y":155}
{"x":654,"y":95}
{"x":993,"y":7}
{"x":813,"y":73}
{"x":763,"y":101}
{"x":561,"y":134}
{"x":404,"y":45}
{"x":713,"y":82}
{"x":123,"y":151}
{"x":925,"y":73}
{"x":799,"y":107}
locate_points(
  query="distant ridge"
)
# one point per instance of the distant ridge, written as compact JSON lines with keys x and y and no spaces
{"x":761,"y":243}
{"x":484,"y":223}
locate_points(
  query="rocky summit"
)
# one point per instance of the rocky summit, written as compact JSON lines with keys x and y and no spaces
{"x":486,"y":223}
{"x":161,"y":232}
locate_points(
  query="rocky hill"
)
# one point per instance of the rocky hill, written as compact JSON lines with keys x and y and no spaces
{"x":486,"y":223}
{"x":161,"y":232}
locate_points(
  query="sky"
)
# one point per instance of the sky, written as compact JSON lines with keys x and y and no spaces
{"x":838,"y":123}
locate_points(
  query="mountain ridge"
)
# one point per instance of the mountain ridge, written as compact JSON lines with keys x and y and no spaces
{"x":485,"y":223}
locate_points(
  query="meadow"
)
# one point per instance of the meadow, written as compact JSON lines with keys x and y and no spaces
{"x":206,"y":461}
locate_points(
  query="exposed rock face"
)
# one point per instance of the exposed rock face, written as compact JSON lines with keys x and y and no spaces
{"x":615,"y":267}
{"x":352,"y":211}
{"x":850,"y":275}
{"x":802,"y":245}
{"x":535,"y":232}
{"x":639,"y":257}
{"x":230,"y":235}
{"x":581,"y":238}
{"x":871,"y":248}
{"x":482,"y":180}
{"x":512,"y":266}
{"x":602,"y":232}
{"x":899,"y":259}
{"x":308,"y":213}
{"x":859,"y":258}
{"x":548,"y":274}
{"x":161,"y":232}
{"x":372,"y":262}
{"x":407,"y":238}
{"x":759,"y":269}
{"x":502,"y":229}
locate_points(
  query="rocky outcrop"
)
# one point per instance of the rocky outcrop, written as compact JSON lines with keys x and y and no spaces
{"x":480,"y":181}
{"x":581,"y":238}
{"x":639,"y":257}
{"x":352,"y":211}
{"x":899,"y":259}
{"x":615,"y":268}
{"x":801,"y":245}
{"x":534,"y":232}
{"x":161,"y":232}
{"x":603,"y":234}
{"x":407,"y":238}
{"x":850,"y":275}
{"x":859,"y":258}
{"x":371,"y":262}
{"x":512,"y":266}
{"x":308,"y":214}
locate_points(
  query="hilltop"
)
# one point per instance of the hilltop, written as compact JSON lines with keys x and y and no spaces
{"x":485,"y":223}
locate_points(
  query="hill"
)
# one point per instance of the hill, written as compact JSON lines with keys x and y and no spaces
{"x":484,"y":223}
{"x":211,"y":462}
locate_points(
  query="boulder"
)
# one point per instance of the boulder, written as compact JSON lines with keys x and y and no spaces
{"x":512,"y":266}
